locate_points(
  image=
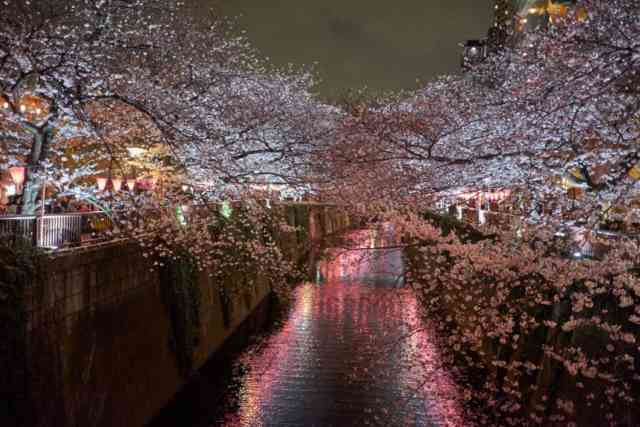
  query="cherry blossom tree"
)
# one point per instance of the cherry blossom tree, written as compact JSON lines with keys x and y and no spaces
{"x":561,"y":98}
{"x":57,"y":63}
{"x":86,"y":69}
{"x":551,"y":340}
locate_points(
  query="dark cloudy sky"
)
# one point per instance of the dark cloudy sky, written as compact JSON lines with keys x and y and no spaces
{"x":381,"y":44}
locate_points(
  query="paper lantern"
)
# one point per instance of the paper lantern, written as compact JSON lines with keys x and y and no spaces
{"x":117,"y":184}
{"x":634,"y":172}
{"x":152,"y":182}
{"x":574,"y":193}
{"x":102,"y":183}
{"x":18,"y":176}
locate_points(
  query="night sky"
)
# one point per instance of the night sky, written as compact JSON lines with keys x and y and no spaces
{"x":380,"y":44}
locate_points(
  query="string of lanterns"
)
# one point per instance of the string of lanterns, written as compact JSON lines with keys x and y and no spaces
{"x":27,"y":105}
{"x":130,"y":183}
{"x":481,"y":196}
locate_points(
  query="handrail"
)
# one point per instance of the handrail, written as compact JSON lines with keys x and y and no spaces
{"x":19,"y":216}
{"x":52,"y":230}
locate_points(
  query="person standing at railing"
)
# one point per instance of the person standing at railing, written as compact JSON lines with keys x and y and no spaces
{"x":65,"y":205}
{"x":56,"y":208}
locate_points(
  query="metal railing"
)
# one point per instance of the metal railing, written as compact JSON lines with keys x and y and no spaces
{"x":54,"y":230}
{"x":596,"y":247}
{"x":479,"y":217}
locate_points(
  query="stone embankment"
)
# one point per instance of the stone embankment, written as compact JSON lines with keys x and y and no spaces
{"x":103,"y":346}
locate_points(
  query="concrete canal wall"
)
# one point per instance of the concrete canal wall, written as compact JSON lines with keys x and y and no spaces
{"x":101,"y":348}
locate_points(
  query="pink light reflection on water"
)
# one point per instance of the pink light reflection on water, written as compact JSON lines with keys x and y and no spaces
{"x":331,"y":332}
{"x":439,"y":391}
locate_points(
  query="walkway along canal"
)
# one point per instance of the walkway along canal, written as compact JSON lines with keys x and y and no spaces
{"x":350,"y":351}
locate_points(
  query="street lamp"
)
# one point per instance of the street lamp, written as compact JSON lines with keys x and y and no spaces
{"x":474,"y":52}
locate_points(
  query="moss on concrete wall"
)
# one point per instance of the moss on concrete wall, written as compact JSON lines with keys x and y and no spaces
{"x":116,"y":339}
{"x":19,"y":269}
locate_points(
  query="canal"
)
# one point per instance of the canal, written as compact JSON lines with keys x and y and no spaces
{"x":350,"y":351}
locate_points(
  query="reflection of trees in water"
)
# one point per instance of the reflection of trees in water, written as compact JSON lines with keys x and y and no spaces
{"x":349,"y":352}
{"x":367,"y":256}
{"x":348,"y":355}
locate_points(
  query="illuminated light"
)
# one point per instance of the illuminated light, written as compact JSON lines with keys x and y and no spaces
{"x":17,"y":174}
{"x":482,"y":218}
{"x":634,"y":172}
{"x":102,"y":183}
{"x":38,"y":110}
{"x":153,"y":182}
{"x":577,"y":254}
{"x":5,"y":105}
{"x":136,"y":151}
{"x":117,"y":184}
{"x":180,"y":211}
{"x":131,"y":184}
{"x":226,"y":210}
{"x":23,"y":108}
{"x":10,"y":190}
{"x":582,"y":14}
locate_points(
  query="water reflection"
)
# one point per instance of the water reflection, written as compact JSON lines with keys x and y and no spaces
{"x":351,"y":352}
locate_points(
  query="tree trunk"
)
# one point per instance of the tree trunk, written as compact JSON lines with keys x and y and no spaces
{"x":31,"y":188}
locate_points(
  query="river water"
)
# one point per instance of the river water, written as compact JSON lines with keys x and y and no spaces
{"x":351,"y":351}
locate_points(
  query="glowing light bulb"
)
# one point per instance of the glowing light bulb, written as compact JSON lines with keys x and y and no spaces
{"x":23,"y":108}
